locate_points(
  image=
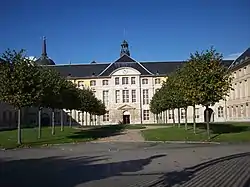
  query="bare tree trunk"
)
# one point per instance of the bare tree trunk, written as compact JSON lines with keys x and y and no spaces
{"x":19,"y":130}
{"x":194,"y":119}
{"x":186,"y":119}
{"x":62,"y":120}
{"x":53,"y":122}
{"x":173,"y":116}
{"x":39,"y":123}
{"x":157,"y":118}
{"x":179,"y":118}
{"x":207,"y":122}
{"x":70,"y":119}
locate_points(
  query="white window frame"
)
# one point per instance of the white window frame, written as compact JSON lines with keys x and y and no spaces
{"x":105,"y":96}
{"x":105,"y":82}
{"x":106,"y":116}
{"x":117,"y":96}
{"x":124,"y":80}
{"x":132,"y":80}
{"x":144,"y":81}
{"x":117,"y":80}
{"x":146,"y":115}
{"x":125,"y":96}
{"x":133,"y":93}
{"x":220,"y":112}
{"x":145,"y":97}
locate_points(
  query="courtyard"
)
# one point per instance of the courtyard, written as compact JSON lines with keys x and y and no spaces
{"x":127,"y":164}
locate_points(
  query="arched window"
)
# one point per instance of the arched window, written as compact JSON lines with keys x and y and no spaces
{"x":220,"y":112}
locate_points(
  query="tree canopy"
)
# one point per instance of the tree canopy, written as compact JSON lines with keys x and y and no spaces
{"x":203,"y":80}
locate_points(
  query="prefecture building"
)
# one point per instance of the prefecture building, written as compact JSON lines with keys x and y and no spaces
{"x":126,"y":87}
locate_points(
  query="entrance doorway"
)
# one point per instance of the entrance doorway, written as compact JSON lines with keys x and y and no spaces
{"x":126,"y":117}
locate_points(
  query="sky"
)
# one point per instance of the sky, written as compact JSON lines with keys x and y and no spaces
{"x":81,"y":31}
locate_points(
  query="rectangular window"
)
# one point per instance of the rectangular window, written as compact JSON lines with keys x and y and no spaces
{"x":197,"y":113}
{"x":79,"y":117}
{"x":124,"y":80}
{"x":80,"y":84}
{"x":92,"y":83}
{"x":182,"y":113}
{"x":132,"y":80}
{"x":157,"y":81}
{"x":170,"y":114}
{"x":117,"y":96}
{"x":105,"y":82}
{"x":133,"y":96}
{"x":117,"y":81}
{"x":125,"y":96}
{"x":145,"y":97}
{"x":145,"y":114}
{"x":220,"y":112}
{"x":106,"y":116}
{"x":144,"y":81}
{"x":105,"y":97}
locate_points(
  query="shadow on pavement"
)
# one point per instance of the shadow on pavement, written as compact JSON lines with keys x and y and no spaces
{"x":64,"y":172}
{"x":99,"y":132}
{"x":203,"y":171}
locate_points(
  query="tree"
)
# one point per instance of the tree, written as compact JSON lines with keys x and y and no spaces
{"x":19,"y":83}
{"x":190,"y":74}
{"x":51,"y":99}
{"x":213,"y":79}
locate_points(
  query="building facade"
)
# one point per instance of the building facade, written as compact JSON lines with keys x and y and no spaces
{"x":126,"y":87}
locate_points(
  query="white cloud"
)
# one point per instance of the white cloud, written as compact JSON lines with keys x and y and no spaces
{"x":232,"y":56}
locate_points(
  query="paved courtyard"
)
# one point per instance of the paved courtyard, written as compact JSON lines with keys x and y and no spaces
{"x":126,"y":165}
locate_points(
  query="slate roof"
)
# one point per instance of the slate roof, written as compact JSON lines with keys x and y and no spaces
{"x":241,"y":59}
{"x":80,"y":70}
{"x":44,"y":60}
{"x":95,"y":69}
{"x":162,"y":68}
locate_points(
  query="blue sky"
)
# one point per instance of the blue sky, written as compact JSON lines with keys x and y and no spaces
{"x":81,"y":31}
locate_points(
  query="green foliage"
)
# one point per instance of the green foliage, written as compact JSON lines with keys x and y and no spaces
{"x":202,"y":80}
{"x":213,"y":81}
{"x":19,"y":79}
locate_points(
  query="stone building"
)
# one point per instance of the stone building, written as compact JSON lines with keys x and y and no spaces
{"x":126,"y":87}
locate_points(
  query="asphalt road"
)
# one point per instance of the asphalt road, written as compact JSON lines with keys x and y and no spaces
{"x":127,"y":165}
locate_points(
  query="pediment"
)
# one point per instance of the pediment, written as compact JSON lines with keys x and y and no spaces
{"x":125,"y":107}
{"x":125,"y":71}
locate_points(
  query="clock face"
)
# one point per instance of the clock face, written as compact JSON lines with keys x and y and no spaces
{"x":125,"y":71}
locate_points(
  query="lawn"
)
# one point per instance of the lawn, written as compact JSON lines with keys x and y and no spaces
{"x":220,"y":132}
{"x":8,"y":139}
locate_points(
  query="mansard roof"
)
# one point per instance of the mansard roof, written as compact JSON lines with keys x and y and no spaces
{"x":105,"y":69}
{"x":241,"y":60}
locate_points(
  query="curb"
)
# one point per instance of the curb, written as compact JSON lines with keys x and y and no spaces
{"x":167,"y":142}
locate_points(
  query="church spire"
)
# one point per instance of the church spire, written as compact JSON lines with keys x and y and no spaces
{"x":44,"y":51}
{"x":124,"y":48}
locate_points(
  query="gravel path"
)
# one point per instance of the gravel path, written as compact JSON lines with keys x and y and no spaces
{"x":129,"y":135}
